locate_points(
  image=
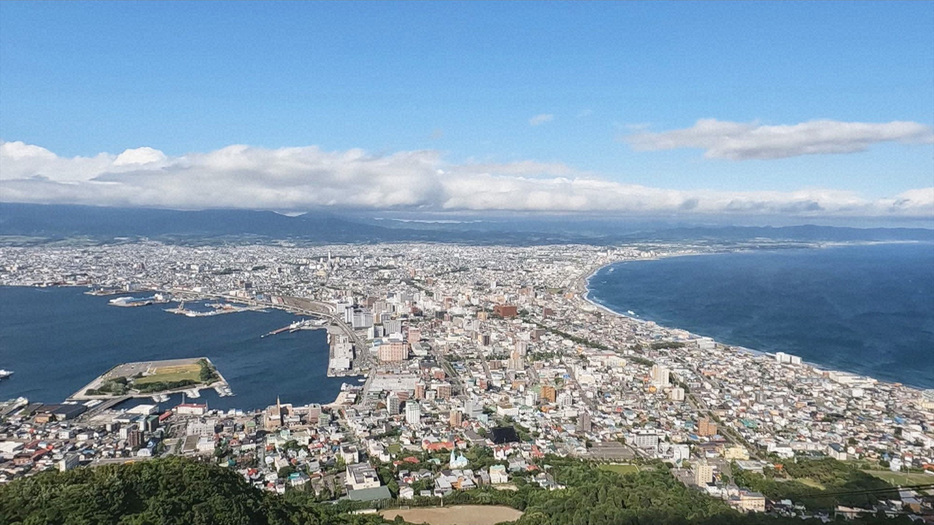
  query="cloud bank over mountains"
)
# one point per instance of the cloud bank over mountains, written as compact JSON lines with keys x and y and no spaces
{"x":747,"y":141}
{"x":303,"y":178}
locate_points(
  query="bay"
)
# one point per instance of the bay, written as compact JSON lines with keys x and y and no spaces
{"x":56,"y":340}
{"x":866,"y":309}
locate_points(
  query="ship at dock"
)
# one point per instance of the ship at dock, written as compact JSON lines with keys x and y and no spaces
{"x":223,"y":390}
{"x":129,"y":302}
{"x":215,"y":309}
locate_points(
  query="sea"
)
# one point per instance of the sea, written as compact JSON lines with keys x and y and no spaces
{"x":866,"y":309}
{"x":58,"y":339}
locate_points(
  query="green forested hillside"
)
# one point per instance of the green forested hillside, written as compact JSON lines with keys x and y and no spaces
{"x":158,"y":492}
{"x":804,"y":480}
{"x":180,"y":491}
{"x":599,"y":497}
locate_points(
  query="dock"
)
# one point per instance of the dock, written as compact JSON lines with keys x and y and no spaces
{"x":305,"y":324}
{"x":218,"y":309}
{"x":107,"y":404}
{"x":277,"y":331}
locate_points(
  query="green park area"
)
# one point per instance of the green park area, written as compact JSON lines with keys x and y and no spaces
{"x":902,"y":479}
{"x":146,"y":378}
{"x":817,"y":483}
{"x":172,"y":374}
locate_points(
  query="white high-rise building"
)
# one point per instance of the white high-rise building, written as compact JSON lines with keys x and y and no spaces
{"x":522,"y":347}
{"x":565,"y":400}
{"x":661,"y":376}
{"x":362,"y":319}
{"x":515,"y":361}
{"x":392,"y":326}
{"x":676,"y":394}
{"x":782,"y":357}
{"x":413,"y":413}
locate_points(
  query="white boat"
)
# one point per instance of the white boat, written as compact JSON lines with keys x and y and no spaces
{"x":223,"y":390}
{"x":5,"y":373}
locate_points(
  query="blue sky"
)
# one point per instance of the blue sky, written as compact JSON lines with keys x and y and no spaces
{"x":453,"y":89}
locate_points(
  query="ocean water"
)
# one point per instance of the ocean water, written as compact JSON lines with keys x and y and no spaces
{"x":57,"y":340}
{"x":867,"y":309}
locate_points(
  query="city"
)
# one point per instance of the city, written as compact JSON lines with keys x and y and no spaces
{"x":479,"y":363}
{"x":466,"y":263}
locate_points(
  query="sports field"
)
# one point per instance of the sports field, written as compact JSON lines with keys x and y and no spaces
{"x":168,"y":374}
{"x":456,"y":515}
{"x":901,"y":478}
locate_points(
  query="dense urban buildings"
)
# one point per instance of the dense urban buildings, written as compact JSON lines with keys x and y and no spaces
{"x":462,"y":347}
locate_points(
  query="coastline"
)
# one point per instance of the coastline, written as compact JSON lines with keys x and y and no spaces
{"x":585,"y":295}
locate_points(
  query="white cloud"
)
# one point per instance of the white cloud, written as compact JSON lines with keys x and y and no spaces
{"x":139,"y":156}
{"x":302,"y":178}
{"x":527,"y":168}
{"x":922,"y":198}
{"x":538,"y":120}
{"x":19,"y":160}
{"x":744,"y":141}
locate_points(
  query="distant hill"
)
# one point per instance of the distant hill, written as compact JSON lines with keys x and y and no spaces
{"x":62,"y":221}
{"x":45,"y":223}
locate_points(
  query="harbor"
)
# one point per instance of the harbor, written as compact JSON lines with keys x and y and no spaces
{"x":95,"y":337}
{"x":215,"y":309}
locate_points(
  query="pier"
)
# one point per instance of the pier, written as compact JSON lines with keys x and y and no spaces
{"x":277,"y":331}
{"x":306,"y":324}
{"x":328,"y":311}
{"x":107,"y":404}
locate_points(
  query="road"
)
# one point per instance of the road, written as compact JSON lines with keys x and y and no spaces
{"x":328,"y":311}
{"x":728,"y":434}
{"x":449,"y":370}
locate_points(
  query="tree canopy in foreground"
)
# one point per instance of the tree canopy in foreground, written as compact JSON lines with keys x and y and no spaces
{"x":181,"y":491}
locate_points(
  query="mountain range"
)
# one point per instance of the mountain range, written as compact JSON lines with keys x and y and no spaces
{"x":37,"y":223}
